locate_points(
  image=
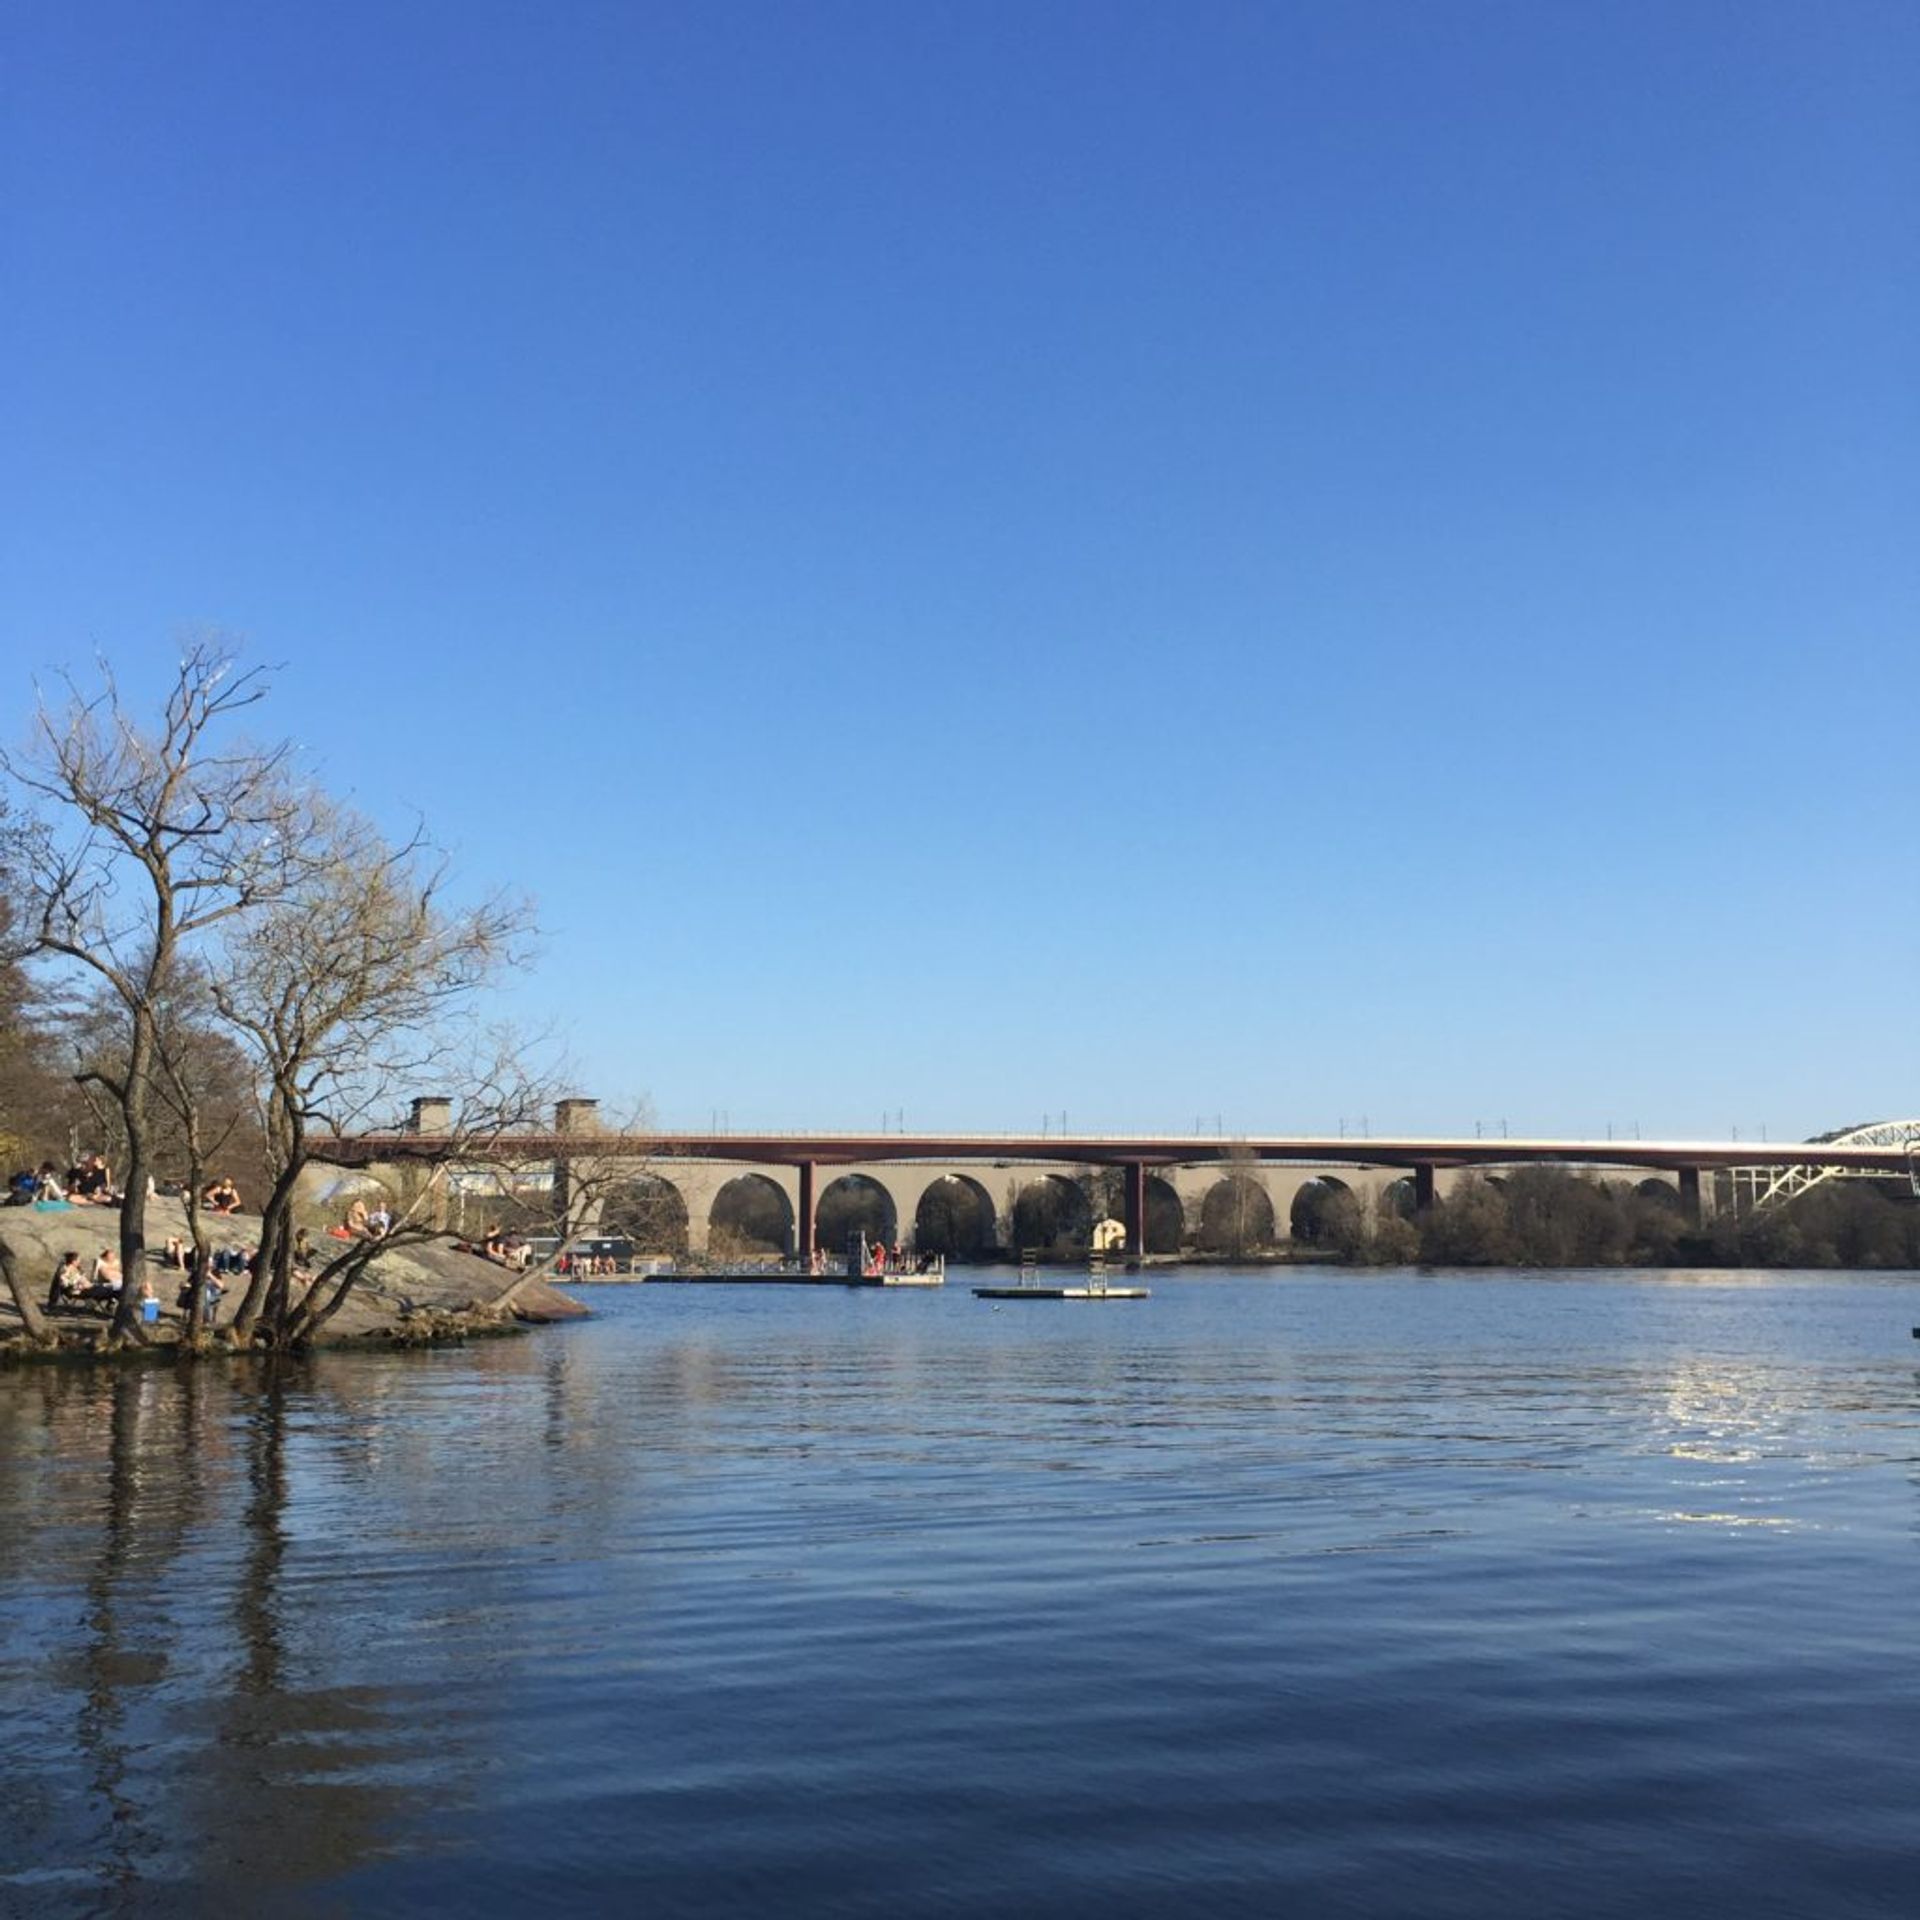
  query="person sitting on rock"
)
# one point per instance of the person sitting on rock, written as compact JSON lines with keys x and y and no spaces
{"x":222,"y":1197}
{"x":90,"y":1183}
{"x":355,"y":1221}
{"x":69,"y":1284}
{"x":107,"y":1279}
{"x":46,"y":1185}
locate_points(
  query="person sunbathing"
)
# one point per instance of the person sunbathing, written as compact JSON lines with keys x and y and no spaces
{"x":222,"y":1197}
{"x":106,"y":1276}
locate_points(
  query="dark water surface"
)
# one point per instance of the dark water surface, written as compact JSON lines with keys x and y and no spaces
{"x":1312,"y":1595}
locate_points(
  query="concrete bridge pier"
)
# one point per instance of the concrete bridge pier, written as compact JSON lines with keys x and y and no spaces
{"x":1136,"y":1207}
{"x":423,"y":1194}
{"x":806,"y":1219}
{"x":576,"y":1195}
{"x":1688,"y":1180}
{"x":1423,"y":1194}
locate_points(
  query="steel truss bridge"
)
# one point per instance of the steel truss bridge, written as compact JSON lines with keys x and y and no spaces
{"x":1772,"y":1185}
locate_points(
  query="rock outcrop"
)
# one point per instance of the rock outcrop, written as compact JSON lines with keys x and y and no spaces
{"x":412,"y":1292}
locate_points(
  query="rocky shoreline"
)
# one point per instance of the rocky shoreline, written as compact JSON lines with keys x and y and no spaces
{"x":422,"y":1293}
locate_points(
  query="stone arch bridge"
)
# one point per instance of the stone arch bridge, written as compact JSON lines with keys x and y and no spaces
{"x":1166,"y":1190}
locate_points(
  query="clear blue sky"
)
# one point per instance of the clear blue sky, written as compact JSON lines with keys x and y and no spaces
{"x":1279,"y":562}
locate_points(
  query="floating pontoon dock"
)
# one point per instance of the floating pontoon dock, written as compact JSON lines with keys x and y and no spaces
{"x":1061,"y":1293}
{"x":864,"y":1267}
{"x":1095,"y":1287}
{"x":789,"y":1277}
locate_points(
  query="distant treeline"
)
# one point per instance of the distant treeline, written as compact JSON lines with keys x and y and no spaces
{"x":1551,"y":1217}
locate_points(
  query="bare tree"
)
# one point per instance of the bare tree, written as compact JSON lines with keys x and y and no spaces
{"x":349,"y":990}
{"x":149,"y":842}
{"x":39,"y":1103}
{"x":1236,"y":1216}
{"x":205,"y":1093}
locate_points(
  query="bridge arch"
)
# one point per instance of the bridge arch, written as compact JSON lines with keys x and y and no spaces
{"x":955,"y":1217}
{"x":648,"y":1210}
{"x":1166,"y":1224}
{"x":1052,"y":1215}
{"x":855,"y":1203}
{"x":1307,"y":1216}
{"x":1236,"y":1216}
{"x":1401,"y":1196}
{"x":750,"y":1215}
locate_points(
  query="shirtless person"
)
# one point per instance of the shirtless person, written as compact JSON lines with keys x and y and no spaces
{"x":106,"y":1276}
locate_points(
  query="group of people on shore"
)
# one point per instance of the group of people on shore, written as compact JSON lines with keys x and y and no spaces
{"x":87,"y":1183}
{"x":78,"y":1282}
{"x":507,"y":1249}
{"x":361,"y":1222}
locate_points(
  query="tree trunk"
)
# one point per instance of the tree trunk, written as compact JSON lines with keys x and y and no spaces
{"x":30,"y":1314}
{"x":199,"y":1266}
{"x":289,"y":1137}
{"x":133,"y":1201}
{"x":263,"y":1291}
{"x":276,"y":1262}
{"x":199,"y":1254}
{"x":504,"y":1300}
{"x":307,"y":1320}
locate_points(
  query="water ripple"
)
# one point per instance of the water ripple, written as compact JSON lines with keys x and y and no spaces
{"x":1414,"y":1595}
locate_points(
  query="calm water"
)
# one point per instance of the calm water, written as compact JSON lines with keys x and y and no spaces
{"x":1308,"y":1595}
